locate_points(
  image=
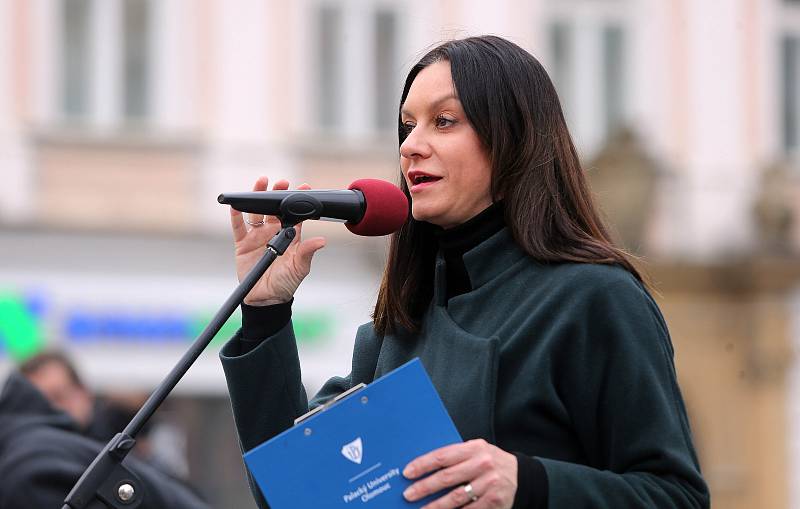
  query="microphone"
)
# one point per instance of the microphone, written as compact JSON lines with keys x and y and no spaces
{"x":369,"y":207}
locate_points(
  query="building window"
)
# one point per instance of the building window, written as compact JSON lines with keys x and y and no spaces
{"x":329,"y":87}
{"x":136,"y":49}
{"x":75,"y":58}
{"x":121,"y":71}
{"x":357,"y":67}
{"x":790,"y":93}
{"x":387,"y":93}
{"x":560,"y":47}
{"x":589,"y":39}
{"x":613,"y":78}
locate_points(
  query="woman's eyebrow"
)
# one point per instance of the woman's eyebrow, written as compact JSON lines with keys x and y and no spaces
{"x":432,"y":105}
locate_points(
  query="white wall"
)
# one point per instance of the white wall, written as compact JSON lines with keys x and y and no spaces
{"x":720,"y":180}
{"x":175,"y":54}
{"x":794,"y":406}
{"x":243,"y":126}
{"x":16,"y":188}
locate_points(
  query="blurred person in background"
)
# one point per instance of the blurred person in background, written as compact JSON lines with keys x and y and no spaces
{"x":100,"y":418}
{"x":539,"y":334}
{"x":47,"y":422}
{"x":54,"y":375}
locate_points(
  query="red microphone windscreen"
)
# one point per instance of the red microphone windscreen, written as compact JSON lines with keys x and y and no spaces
{"x":386,"y":211}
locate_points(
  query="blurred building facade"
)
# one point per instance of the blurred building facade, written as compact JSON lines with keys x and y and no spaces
{"x":122,"y":120}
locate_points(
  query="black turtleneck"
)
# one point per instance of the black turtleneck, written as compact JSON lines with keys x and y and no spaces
{"x":456,"y":241}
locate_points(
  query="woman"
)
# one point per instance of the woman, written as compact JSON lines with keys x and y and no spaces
{"x":551,"y":357}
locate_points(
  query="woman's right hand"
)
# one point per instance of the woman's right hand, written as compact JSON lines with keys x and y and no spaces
{"x":283,"y":277}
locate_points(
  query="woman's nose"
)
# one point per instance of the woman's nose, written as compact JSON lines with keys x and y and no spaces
{"x":415,"y":145}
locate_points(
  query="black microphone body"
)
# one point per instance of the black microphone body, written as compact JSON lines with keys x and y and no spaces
{"x":368,"y":207}
{"x":346,"y":205}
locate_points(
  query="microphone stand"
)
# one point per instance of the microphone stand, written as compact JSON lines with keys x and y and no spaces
{"x":106,"y":478}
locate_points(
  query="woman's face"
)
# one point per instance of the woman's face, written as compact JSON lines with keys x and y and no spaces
{"x":445,"y":165}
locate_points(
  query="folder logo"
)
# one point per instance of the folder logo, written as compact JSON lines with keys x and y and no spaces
{"x":353,"y":450}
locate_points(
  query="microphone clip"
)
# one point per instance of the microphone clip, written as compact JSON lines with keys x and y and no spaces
{"x":280,"y":242}
{"x":298,"y":207}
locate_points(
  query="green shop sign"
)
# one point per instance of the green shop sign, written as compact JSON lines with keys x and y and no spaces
{"x":20,"y":330}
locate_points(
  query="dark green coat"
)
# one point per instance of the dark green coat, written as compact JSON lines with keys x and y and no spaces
{"x":570,"y":363}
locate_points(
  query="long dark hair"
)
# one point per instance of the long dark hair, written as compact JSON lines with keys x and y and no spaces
{"x":512,"y":105}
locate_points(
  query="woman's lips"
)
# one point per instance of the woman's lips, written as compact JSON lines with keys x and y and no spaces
{"x":419,"y":180}
{"x":422,"y":185}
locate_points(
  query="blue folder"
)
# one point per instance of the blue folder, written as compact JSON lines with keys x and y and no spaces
{"x":351,"y":454}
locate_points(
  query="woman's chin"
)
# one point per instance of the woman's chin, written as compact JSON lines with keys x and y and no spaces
{"x":425,"y":214}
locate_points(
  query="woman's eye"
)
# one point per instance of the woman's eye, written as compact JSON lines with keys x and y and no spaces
{"x":407,"y":127}
{"x":442,"y":122}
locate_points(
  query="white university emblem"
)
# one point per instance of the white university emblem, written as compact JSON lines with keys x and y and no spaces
{"x":352,"y":451}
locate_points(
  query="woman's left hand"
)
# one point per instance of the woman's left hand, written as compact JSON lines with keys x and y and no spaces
{"x":484,"y":476}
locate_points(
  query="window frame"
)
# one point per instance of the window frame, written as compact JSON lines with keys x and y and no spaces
{"x":105,"y":55}
{"x":788,"y":33}
{"x":356,"y":90}
{"x":587,"y":110}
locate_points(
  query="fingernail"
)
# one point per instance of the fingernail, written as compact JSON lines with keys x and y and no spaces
{"x":409,"y":493}
{"x":408,"y":472}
